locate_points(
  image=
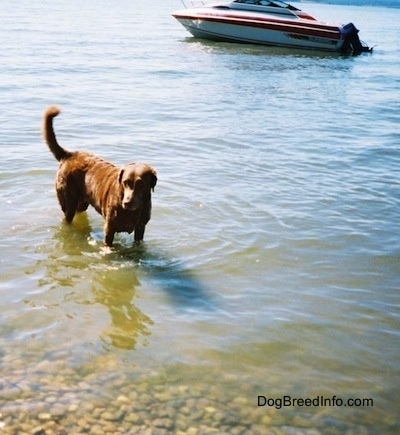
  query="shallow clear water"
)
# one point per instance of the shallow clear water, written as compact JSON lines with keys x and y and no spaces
{"x":271,"y":264}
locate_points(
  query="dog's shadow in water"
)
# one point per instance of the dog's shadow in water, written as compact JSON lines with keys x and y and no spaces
{"x":183,"y":288}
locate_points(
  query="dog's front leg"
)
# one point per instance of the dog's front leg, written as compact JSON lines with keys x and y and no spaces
{"x":108,"y":234}
{"x":108,"y":239}
{"x":139,"y":232}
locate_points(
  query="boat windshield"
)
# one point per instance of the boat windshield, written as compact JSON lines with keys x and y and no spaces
{"x":274,"y":3}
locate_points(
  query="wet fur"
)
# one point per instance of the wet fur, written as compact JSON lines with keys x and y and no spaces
{"x":121,"y":196}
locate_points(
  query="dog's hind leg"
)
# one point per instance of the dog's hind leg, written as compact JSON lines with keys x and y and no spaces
{"x":68,"y":203}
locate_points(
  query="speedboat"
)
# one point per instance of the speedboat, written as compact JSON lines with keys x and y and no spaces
{"x":270,"y":23}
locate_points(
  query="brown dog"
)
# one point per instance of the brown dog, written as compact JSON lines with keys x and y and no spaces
{"x":122,"y":196}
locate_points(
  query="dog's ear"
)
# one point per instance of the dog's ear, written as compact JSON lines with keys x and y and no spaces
{"x":153,"y":179}
{"x":120,"y":175}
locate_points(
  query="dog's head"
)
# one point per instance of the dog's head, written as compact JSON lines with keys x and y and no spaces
{"x":137,"y":180}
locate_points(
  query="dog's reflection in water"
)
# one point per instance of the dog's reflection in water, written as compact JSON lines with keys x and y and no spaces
{"x":116,"y":290}
{"x":78,"y":272}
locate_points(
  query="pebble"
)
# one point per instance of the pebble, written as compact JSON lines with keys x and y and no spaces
{"x":266,"y":420}
{"x":123,"y":399}
{"x":112,"y":416}
{"x":301,"y":421}
{"x":73,"y":407}
{"x":97,"y":430}
{"x":132,"y":418}
{"x":82,"y":423}
{"x":164,"y":422}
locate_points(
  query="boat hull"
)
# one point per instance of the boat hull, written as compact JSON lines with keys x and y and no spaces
{"x":248,"y":27}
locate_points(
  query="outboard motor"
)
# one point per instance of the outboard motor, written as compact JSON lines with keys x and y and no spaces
{"x":352,"y":43}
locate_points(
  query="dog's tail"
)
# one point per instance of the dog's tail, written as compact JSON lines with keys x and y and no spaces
{"x":59,"y":152}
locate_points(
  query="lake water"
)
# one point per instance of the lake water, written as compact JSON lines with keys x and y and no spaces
{"x":271,"y":265}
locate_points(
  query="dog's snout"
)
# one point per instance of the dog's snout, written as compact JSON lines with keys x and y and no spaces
{"x":130,"y":202}
{"x":130,"y":206}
